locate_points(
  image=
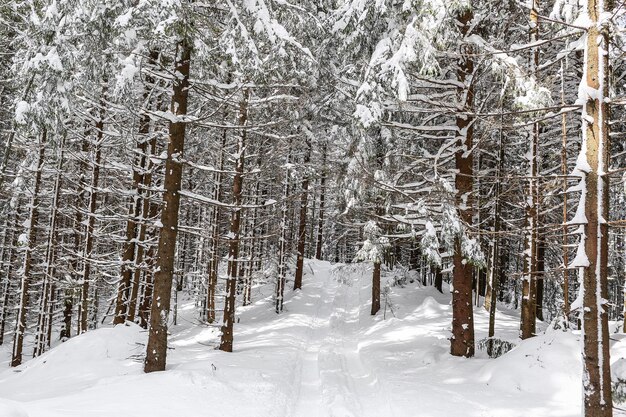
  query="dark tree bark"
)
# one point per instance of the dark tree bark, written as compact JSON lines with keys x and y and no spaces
{"x":226,"y":342}
{"x":253,"y":254}
{"x":322,"y":208}
{"x":46,"y":304}
{"x":529,"y":278}
{"x":91,"y":217}
{"x":150,"y":211}
{"x":68,"y":304}
{"x":375,"y":288}
{"x":162,"y":288}
{"x":127,"y":291}
{"x":541,"y":255}
{"x":147,"y":167}
{"x":11,"y":259}
{"x":438,"y":278}
{"x":596,"y":145}
{"x":282,"y":241}
{"x":214,"y":251}
{"x":302,"y":225}
{"x":493,"y":276}
{"x":27,"y":265}
{"x":80,"y":206}
{"x":565,"y":185}
{"x":462,"y":341}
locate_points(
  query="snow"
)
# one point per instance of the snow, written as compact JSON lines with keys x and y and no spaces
{"x":54,"y":61}
{"x":324,"y":356}
{"x":128,"y":73}
{"x":21,"y":111}
{"x":367,"y":115}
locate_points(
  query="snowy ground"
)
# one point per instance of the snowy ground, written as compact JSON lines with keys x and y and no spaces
{"x":326,"y":356}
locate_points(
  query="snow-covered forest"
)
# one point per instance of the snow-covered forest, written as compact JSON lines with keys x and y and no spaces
{"x":309,"y":208}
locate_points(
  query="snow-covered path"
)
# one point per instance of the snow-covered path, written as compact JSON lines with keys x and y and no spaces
{"x":344,"y":385}
{"x":325,"y":356}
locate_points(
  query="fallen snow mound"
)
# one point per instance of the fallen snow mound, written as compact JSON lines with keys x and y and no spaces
{"x":547,"y":363}
{"x":11,"y":409}
{"x":77,"y":364}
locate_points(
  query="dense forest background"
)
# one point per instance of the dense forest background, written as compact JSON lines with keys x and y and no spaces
{"x":155,"y":148}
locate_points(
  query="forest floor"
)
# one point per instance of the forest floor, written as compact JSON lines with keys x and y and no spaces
{"x":325,"y":356}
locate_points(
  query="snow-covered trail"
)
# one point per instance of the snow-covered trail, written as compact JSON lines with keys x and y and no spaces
{"x":334,"y":381}
{"x":325,"y":356}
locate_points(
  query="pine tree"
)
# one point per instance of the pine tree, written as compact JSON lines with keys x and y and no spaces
{"x":157,"y":341}
{"x":592,"y":168}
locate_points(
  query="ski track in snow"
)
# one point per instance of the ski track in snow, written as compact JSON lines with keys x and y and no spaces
{"x":324,"y":356}
{"x":347,"y":387}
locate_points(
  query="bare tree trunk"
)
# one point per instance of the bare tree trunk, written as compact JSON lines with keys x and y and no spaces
{"x":147,"y":167}
{"x":18,"y":341}
{"x":68,"y":304}
{"x":375,"y":288}
{"x":150,"y":211}
{"x":5,"y":259}
{"x":48,"y":278}
{"x":247,"y":288}
{"x":75,"y":262}
{"x":541,"y":255}
{"x":438,"y":278}
{"x":183,"y":251}
{"x":297,"y":285}
{"x":596,"y":148}
{"x":162,"y":288}
{"x":91,"y":218}
{"x":565,"y":172}
{"x":493,"y":281}
{"x":214,"y":251}
{"x":226,"y":342}
{"x":50,"y":314}
{"x":282,"y":243}
{"x":122,"y":309}
{"x":146,"y":300}
{"x":529,"y":277}
{"x":462,"y":341}
{"x":9,"y":272}
{"x":320,"y":219}
{"x":127,"y":290}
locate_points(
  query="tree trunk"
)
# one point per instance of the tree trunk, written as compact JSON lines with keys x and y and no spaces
{"x":141,"y":236}
{"x":91,"y":218}
{"x":302,"y":226}
{"x":529,"y":277}
{"x":127,"y":290}
{"x":150,"y":211}
{"x":9,"y":272}
{"x":595,"y":147}
{"x":493,"y":278}
{"x":214,"y":251}
{"x":541,"y":254}
{"x":282,"y":243}
{"x":226,"y":342}
{"x":462,"y":341}
{"x":78,"y":223}
{"x":565,"y":172}
{"x":320,"y":219}
{"x":48,"y":278}
{"x":247,"y":288}
{"x":68,"y":304}
{"x":438,"y":278}
{"x":18,"y":341}
{"x":375,"y":288}
{"x":122,"y":309}
{"x":162,"y":288}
